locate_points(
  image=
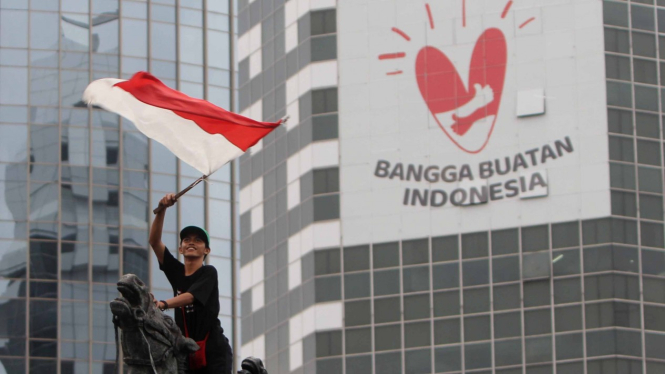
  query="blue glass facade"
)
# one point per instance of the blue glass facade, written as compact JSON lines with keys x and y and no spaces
{"x":77,"y":184}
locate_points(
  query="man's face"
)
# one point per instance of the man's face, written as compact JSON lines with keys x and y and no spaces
{"x":193,"y":246}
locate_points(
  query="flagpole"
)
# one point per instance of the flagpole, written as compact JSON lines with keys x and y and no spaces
{"x":162,"y":207}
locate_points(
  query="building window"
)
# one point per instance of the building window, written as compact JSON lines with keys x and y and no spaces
{"x":323,"y":22}
{"x":324,"y":101}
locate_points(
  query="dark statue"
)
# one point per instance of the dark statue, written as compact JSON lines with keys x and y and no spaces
{"x":151,"y":342}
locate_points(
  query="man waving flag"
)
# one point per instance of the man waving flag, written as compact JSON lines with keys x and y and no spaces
{"x":201,"y":134}
{"x":206,"y":137}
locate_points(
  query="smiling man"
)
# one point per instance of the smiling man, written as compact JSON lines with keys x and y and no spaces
{"x":196,"y":294}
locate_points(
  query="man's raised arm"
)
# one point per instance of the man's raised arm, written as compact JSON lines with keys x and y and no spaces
{"x":157,"y":224}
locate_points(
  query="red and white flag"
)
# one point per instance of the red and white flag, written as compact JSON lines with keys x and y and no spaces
{"x":201,"y":134}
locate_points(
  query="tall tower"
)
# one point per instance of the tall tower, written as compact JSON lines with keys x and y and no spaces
{"x":463,"y":187}
{"x":77,"y":184}
{"x":289,"y":197}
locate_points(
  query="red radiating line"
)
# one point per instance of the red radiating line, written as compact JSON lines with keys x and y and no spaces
{"x":387,"y":56}
{"x":394,"y":72}
{"x":401,"y":33}
{"x":463,"y":13}
{"x":505,"y":10}
{"x":527,"y":22}
{"x":429,"y":14}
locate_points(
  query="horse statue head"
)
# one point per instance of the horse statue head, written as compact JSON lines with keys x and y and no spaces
{"x":151,"y":341}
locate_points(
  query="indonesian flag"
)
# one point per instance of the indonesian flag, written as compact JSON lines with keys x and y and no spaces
{"x":201,"y":134}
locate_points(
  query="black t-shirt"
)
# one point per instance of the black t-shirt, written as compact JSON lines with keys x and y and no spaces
{"x":202,"y":314}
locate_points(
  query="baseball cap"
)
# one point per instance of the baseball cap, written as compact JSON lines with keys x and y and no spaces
{"x":201,"y":233}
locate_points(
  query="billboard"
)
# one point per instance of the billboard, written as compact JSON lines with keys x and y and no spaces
{"x":469,"y":115}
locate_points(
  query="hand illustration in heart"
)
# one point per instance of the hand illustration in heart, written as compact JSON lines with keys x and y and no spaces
{"x":466,"y":116}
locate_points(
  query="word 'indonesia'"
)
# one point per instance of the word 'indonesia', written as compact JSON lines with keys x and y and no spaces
{"x":485,"y":170}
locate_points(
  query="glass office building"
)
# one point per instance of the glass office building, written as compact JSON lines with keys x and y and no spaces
{"x":78,"y":184}
{"x":387,"y":228}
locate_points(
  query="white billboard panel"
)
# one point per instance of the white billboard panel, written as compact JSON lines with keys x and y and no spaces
{"x":468,"y":115}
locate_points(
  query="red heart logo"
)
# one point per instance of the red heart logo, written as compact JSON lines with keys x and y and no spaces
{"x":466,"y":116}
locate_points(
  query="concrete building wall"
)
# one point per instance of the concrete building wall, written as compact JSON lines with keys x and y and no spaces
{"x":352,"y":264}
{"x":77,"y":184}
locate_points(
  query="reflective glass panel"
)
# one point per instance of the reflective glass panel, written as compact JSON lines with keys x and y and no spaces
{"x":74,"y":320}
{"x":104,"y":292}
{"x":416,"y":279}
{"x":103,"y":352}
{"x":74,"y":260}
{"x":102,"y":323}
{"x":135,"y":261}
{"x":507,"y":325}
{"x":445,"y":248}
{"x":476,"y":300}
{"x":105,"y":204}
{"x":567,"y":290}
{"x":219,"y":216}
{"x":448,"y":359}
{"x":104,"y":6}
{"x":44,"y":30}
{"x":537,"y":322}
{"x":417,"y":334}
{"x":135,"y":151}
{"x":536,"y":265}
{"x":538,"y":349}
{"x":74,"y":147}
{"x":44,"y":145}
{"x":611,"y":286}
{"x":569,"y":346}
{"x":163,"y":45}
{"x":536,"y":293}
{"x":416,"y":307}
{"x":356,"y":258}
{"x":74,"y":291}
{"x":387,"y":362}
{"x":607,"y":342}
{"x":507,"y":297}
{"x":566,"y":262}
{"x":134,"y":9}
{"x":387,"y":310}
{"x":508,"y":352}
{"x":653,"y":262}
{"x":163,"y":161}
{"x":385,"y":337}
{"x":445,"y":276}
{"x":607,"y":314}
{"x":477,"y":328}
{"x":385,"y":255}
{"x":218,"y":47}
{"x":505,"y":269}
{"x":43,"y":319}
{"x":14,"y":29}
{"x":478,"y":356}
{"x":419,"y":361}
{"x":44,"y":86}
{"x":357,"y":285}
{"x":43,"y":259}
{"x":13,"y":179}
{"x":191,"y":42}
{"x":15,"y":84}
{"x":358,"y":340}
{"x":475,"y":272}
{"x":415,"y":252}
{"x":75,"y":6}
{"x":134,"y":38}
{"x":74,"y":202}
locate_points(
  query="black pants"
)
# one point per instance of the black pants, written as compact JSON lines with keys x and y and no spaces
{"x":219,"y":355}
